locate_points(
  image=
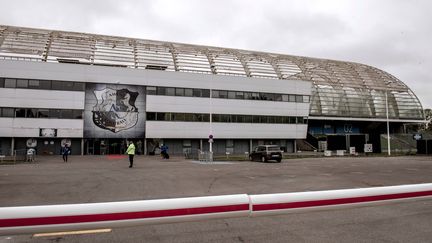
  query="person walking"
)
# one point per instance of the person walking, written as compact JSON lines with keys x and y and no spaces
{"x":65,"y":152}
{"x":131,"y":152}
{"x":164,"y":151}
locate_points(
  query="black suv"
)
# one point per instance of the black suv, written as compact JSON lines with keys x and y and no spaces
{"x":265,"y":153}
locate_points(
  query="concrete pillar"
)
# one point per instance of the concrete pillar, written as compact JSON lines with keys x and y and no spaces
{"x":12,"y":146}
{"x":201,"y":145}
{"x":250,"y":145}
{"x":347,"y":141}
{"x":145,"y":146}
{"x":82,"y":146}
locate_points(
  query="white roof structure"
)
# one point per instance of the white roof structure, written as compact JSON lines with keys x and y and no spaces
{"x":340,"y":89}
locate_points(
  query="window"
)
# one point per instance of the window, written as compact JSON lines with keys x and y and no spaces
{"x":20,"y":112}
{"x":31,"y":113}
{"x":33,"y":84}
{"x":255,"y":96}
{"x":151,"y":90}
{"x":44,"y":84}
{"x":178,"y":117}
{"x":270,"y":96}
{"x":205,"y":93}
{"x":68,"y":86}
{"x":54,"y":113}
{"x":58,"y":85}
{"x":205,"y":117}
{"x":170,"y":91}
{"x":79,"y":86}
{"x":292,"y":98}
{"x":189,"y":117}
{"x":161,"y":90}
{"x":299,"y":120}
{"x":263,"y":96}
{"x":151,"y":116}
{"x":270,"y":119}
{"x":196,"y":93}
{"x":285,"y":98}
{"x":239,"y":95}
{"x":279,"y":119}
{"x":230,"y":143}
{"x":8,"y":112}
{"x":2,"y":82}
{"x":231,"y":94}
{"x":188,"y":92}
{"x":179,"y":92}
{"x":22,"y":83}
{"x":215,"y":93}
{"x":223,"y":94}
{"x":299,"y":98}
{"x":160,"y":116}
{"x":67,"y":114}
{"x":240,"y":119}
{"x":225,"y":118}
{"x":77,"y":114}
{"x":277,"y":97}
{"x":247,"y":95}
{"x":264,"y":119}
{"x":256,"y":119}
{"x":43,"y":113}
{"x":306,"y":98}
{"x":216,"y":118}
{"x":10,"y":83}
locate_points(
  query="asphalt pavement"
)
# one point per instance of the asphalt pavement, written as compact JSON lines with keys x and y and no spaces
{"x":86,"y":179}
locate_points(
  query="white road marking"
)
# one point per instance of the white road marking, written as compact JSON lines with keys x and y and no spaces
{"x":80,"y":232}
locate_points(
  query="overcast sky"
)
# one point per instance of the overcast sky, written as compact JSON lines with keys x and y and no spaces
{"x":392,"y":35}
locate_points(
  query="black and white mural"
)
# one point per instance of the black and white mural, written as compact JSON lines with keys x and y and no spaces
{"x":114,"y":111}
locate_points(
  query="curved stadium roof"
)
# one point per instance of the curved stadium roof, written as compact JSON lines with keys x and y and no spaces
{"x":340,"y":89}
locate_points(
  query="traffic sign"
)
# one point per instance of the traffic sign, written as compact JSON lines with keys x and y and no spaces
{"x":417,"y":136}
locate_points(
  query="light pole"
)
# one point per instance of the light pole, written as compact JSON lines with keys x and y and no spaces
{"x":211,"y":128}
{"x":388,"y":125}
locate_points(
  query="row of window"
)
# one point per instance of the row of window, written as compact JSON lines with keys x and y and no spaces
{"x":152,"y":90}
{"x":226,"y":94}
{"x":169,"y":91}
{"x":40,"y":113}
{"x":226,"y":118}
{"x":41,"y":84}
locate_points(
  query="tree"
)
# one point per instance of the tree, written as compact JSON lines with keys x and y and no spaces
{"x":428,"y":117}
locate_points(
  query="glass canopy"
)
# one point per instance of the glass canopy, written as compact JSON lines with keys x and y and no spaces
{"x":340,"y":89}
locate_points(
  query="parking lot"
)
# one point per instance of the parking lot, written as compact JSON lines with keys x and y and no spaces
{"x":104,"y":179}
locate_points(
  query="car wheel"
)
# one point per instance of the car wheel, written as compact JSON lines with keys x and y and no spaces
{"x":263,"y":159}
{"x":279,"y":160}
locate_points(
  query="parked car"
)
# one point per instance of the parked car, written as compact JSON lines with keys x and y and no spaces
{"x":265,"y":153}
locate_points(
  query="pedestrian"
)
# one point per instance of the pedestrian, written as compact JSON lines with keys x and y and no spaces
{"x":164,"y":151}
{"x":131,"y":152}
{"x":65,"y":152}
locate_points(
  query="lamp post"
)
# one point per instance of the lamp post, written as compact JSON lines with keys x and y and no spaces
{"x":388,"y":125}
{"x":211,"y":128}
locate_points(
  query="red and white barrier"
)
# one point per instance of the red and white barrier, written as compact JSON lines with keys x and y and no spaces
{"x":270,"y":204}
{"x":53,"y":218}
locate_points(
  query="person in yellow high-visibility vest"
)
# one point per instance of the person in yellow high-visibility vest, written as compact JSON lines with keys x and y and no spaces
{"x":131,"y":152}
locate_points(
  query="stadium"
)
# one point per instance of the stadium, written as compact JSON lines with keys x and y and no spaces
{"x":94,"y":92}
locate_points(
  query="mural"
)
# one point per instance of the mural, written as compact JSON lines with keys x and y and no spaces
{"x":114,"y":111}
